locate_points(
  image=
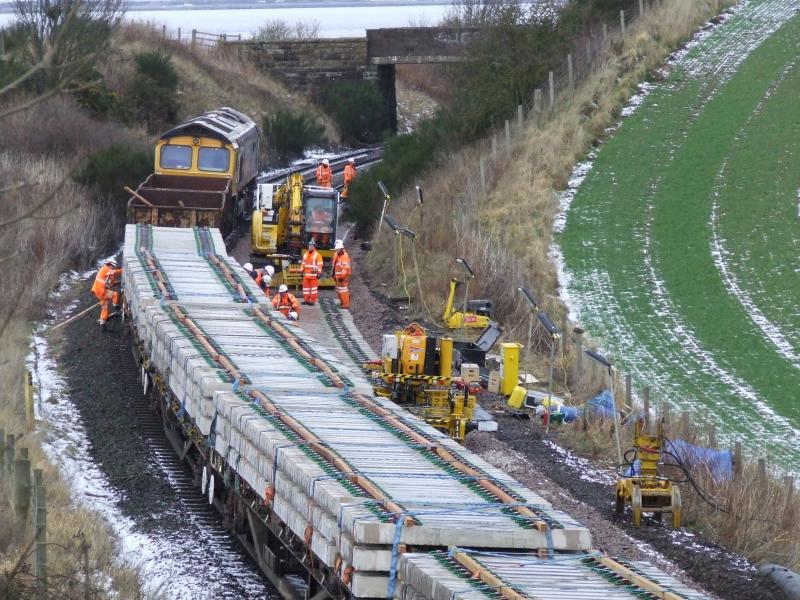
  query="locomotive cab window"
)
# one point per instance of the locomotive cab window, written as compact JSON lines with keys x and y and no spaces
{"x":176,"y":157}
{"x":213,"y":159}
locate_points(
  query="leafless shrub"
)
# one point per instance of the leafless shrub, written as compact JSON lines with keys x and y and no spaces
{"x":278,"y":29}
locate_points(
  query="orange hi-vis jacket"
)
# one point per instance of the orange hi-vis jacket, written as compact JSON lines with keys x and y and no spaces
{"x":286,"y":302}
{"x":107,"y":278}
{"x":349,"y":176}
{"x":342,"y":268}
{"x":312,"y":263}
{"x":324,"y":176}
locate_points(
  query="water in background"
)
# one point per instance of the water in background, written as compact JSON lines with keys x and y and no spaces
{"x":334,"y":21}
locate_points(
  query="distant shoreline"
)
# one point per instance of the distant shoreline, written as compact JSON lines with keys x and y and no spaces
{"x":265,"y":5}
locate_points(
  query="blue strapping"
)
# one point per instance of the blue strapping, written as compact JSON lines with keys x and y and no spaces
{"x":549,"y":535}
{"x":235,"y":384}
{"x":398,"y":530}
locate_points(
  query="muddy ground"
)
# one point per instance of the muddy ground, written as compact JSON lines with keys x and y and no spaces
{"x":572,"y":485}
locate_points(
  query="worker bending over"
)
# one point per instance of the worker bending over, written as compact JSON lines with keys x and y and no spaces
{"x":104,"y":289}
{"x":341,"y":273}
{"x":324,"y":174}
{"x":262,"y":277}
{"x":349,"y":177}
{"x":312,"y":268}
{"x":285,"y":302}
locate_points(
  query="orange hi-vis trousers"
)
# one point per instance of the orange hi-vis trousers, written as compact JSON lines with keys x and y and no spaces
{"x":104,"y":298}
{"x":343,"y":291}
{"x":310,"y":289}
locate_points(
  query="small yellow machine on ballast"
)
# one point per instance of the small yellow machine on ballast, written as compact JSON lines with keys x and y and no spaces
{"x":473,"y":313}
{"x":642,"y":485}
{"x":416,"y":371}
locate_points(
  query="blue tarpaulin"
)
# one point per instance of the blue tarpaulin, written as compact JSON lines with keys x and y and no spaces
{"x":601,"y":405}
{"x":719,"y":462}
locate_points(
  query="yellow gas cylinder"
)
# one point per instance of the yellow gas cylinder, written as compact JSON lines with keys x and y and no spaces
{"x":446,"y":357}
{"x":517,"y":397}
{"x":509,"y":371}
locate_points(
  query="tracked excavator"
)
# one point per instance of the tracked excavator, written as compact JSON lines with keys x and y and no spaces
{"x":286,"y":216}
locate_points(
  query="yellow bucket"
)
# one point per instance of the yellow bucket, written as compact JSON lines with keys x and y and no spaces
{"x":517,"y":397}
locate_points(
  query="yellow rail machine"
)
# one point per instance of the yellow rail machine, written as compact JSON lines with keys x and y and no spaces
{"x":473,"y":313}
{"x":643,"y":486}
{"x":286,"y":217}
{"x":416,"y":371}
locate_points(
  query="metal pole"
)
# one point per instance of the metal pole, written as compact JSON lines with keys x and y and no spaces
{"x":616,"y":415}
{"x":464,"y":310}
{"x":528,"y":347}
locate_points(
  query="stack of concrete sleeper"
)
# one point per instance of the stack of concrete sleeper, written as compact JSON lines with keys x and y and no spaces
{"x":345,"y":527}
{"x":438,"y":576}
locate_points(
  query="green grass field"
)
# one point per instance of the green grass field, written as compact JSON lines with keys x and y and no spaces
{"x":682,"y":245}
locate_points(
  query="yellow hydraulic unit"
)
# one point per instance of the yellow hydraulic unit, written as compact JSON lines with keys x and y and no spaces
{"x":642,"y":485}
{"x":286,"y":217}
{"x":473,"y":313}
{"x":416,"y":371}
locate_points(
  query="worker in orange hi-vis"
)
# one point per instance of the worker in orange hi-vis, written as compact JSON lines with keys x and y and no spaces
{"x":312,"y":268}
{"x":349,"y":176}
{"x":341,"y":273}
{"x":324,"y":174}
{"x":285,"y":302}
{"x":104,"y":289}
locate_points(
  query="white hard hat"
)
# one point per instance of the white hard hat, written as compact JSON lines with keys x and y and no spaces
{"x":352,"y":160}
{"x":293,"y":315}
{"x":325,"y":161}
{"x":267,"y":279}
{"x":270,"y":270}
{"x":283,"y":288}
{"x":338,"y":245}
{"x":112,"y":262}
{"x":248,"y":267}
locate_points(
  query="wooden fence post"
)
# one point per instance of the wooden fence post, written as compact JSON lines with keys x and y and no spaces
{"x":519,"y":116}
{"x":552,"y":89}
{"x":570,"y":74}
{"x":508,"y":135}
{"x":29,"y":414}
{"x":646,"y":396}
{"x":589,"y":50}
{"x":622,"y":22}
{"x":194,"y":39}
{"x":22,"y":485}
{"x":788,"y":511}
{"x":628,"y":390}
{"x":685,"y":425}
{"x":737,"y":459}
{"x":179,"y":35}
{"x":605,"y":33}
{"x":482,"y":165}
{"x":494,"y":145}
{"x":40,"y":525}
{"x":641,"y":8}
{"x":578,"y":353}
{"x":537,"y":100}
{"x":712,"y":435}
{"x":164,"y":31}
{"x":762,"y":475}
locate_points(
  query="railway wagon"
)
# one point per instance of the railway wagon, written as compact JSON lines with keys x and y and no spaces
{"x":204,"y":173}
{"x":335,"y":493}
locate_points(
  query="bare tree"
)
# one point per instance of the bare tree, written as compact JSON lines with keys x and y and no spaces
{"x":278,"y":29}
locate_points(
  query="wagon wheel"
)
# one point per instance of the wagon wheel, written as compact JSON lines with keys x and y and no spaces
{"x":636,"y":506}
{"x":676,"y":507}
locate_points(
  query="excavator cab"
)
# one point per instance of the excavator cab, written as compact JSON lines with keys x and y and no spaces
{"x":320,"y":206}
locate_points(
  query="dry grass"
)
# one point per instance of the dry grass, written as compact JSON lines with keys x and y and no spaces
{"x":35,"y":251}
{"x":209,"y":78}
